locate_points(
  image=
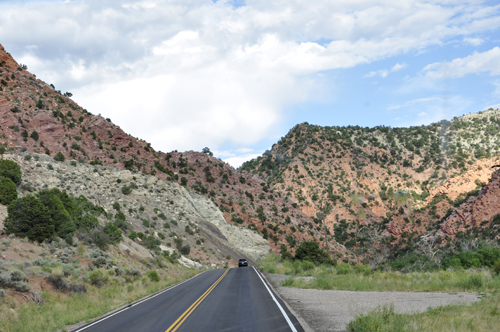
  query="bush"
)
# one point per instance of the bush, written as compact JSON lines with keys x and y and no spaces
{"x":8,"y":191}
{"x":343,"y":268}
{"x":59,"y":157}
{"x":59,"y":283}
{"x":185,"y":250}
{"x":63,"y":225}
{"x":98,"y":278}
{"x":11,"y":170}
{"x":496,"y":267}
{"x":189,"y":230}
{"x":375,"y":320}
{"x":472,"y":282}
{"x":34,"y":135}
{"x":114,"y":233}
{"x":126,"y":190}
{"x":153,"y":276}
{"x":28,"y":217}
{"x":310,"y":250}
{"x":15,"y":280}
{"x":363,"y":269}
{"x":307,"y":265}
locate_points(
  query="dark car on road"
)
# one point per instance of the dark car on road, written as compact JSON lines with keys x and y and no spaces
{"x":242,"y":262}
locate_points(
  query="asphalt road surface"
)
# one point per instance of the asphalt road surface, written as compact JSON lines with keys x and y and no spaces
{"x":235,"y":299}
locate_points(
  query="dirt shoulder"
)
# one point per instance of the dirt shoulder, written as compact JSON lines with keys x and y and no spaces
{"x":331,"y":310}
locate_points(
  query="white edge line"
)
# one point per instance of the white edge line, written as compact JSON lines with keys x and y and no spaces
{"x":277,"y":303}
{"x":133,"y":305}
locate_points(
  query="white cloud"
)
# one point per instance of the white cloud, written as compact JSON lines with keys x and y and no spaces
{"x":239,"y":160}
{"x":244,"y":150}
{"x":384,"y":72}
{"x":473,"y":41}
{"x":475,"y":63}
{"x":496,"y":106}
{"x":188,"y":74}
{"x":399,"y":66}
{"x":237,"y":157}
{"x":413,"y":102}
{"x":428,"y":110}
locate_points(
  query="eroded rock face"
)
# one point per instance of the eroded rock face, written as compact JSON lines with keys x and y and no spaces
{"x":29,"y":105}
{"x":245,"y":240}
{"x":478,"y":211}
{"x":464,"y":183}
{"x":190,"y":217}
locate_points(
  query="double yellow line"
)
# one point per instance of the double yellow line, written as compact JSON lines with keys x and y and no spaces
{"x":190,"y":310}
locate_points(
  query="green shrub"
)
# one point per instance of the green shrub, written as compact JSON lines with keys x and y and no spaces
{"x":153,"y":276}
{"x":11,"y":170}
{"x":472,"y":282}
{"x":98,"y":278}
{"x":496,"y":267}
{"x":376,"y":320}
{"x":185,"y":250}
{"x":28,"y":217}
{"x":8,"y":191}
{"x":15,"y":280}
{"x":363,"y":269}
{"x":151,"y":242}
{"x":114,"y":233}
{"x":189,"y":230}
{"x":59,"y":157}
{"x":344,"y":268}
{"x":310,"y":250}
{"x":63,"y":225}
{"x":307,"y":265}
{"x":34,"y":135}
{"x":323,"y":282}
{"x":126,"y":190}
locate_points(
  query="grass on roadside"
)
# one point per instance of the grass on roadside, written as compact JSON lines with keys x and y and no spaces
{"x":62,"y":309}
{"x":361,"y":278}
{"x":479,"y":316}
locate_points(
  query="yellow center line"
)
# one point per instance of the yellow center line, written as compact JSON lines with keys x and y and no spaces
{"x":188,"y":312}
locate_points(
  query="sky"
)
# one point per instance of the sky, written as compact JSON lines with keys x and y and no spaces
{"x":236,"y":76}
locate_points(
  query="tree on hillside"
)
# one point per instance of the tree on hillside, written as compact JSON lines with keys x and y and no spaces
{"x":28,"y":217}
{"x":8,"y":191}
{"x":11,"y":170}
{"x":207,"y":151}
{"x":34,"y":135}
{"x":310,"y":251}
{"x":63,"y":225}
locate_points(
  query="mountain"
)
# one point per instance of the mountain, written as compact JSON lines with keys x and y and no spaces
{"x":35,"y":117}
{"x":403,"y":182}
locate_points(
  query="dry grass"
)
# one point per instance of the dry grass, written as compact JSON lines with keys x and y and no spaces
{"x":479,"y":316}
{"x":61,"y":310}
{"x":344,"y":277}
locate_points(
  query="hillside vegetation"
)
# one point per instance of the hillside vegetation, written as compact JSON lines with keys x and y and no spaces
{"x":41,"y":119}
{"x":385,"y":191}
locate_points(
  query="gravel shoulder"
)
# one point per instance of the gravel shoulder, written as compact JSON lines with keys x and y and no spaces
{"x":331,"y":310}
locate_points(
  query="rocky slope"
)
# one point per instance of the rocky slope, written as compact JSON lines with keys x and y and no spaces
{"x":36,"y":117}
{"x":479,"y":214}
{"x":152,"y":204}
{"x":390,"y":179}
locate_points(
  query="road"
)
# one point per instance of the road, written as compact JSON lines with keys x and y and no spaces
{"x":235,"y":299}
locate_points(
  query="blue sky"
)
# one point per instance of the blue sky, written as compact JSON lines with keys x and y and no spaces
{"x":237,"y":75}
